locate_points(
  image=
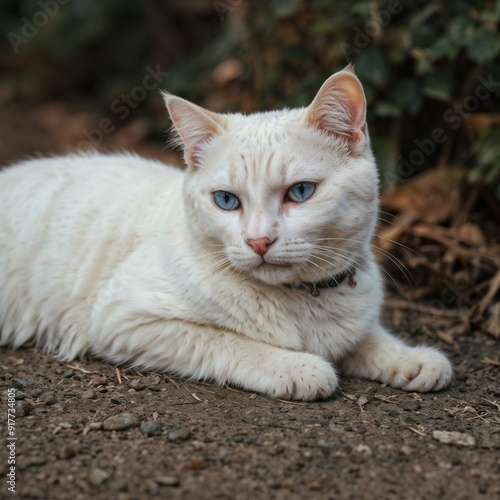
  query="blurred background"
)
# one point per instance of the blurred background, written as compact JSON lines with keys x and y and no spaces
{"x":82,"y":74}
{"x":420,"y":62}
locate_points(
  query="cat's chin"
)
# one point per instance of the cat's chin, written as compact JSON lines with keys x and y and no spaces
{"x":275,"y":274}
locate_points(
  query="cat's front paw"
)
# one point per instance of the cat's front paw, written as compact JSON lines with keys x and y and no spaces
{"x":303,"y":376}
{"x":419,"y":369}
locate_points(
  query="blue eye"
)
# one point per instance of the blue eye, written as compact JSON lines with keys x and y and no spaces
{"x":226,"y":201}
{"x":300,"y":192}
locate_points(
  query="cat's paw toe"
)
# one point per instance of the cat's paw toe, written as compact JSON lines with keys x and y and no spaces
{"x":421,"y":369}
{"x":304,"y":377}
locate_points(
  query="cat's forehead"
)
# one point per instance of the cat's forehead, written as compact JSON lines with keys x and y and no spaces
{"x":259,"y":149}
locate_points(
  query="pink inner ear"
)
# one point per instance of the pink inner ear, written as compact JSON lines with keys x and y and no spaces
{"x":353,"y":99}
{"x":339,"y":108}
{"x":194,"y":125}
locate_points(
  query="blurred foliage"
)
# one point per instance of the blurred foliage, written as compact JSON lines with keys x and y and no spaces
{"x":487,"y":160}
{"x":423,"y":64}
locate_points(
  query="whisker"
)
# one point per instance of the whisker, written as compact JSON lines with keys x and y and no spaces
{"x":397,"y":262}
{"x":328,"y":252}
{"x":401,"y":266}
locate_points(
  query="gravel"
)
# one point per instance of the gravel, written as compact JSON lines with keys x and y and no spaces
{"x":179,"y":433}
{"x":121,"y":422}
{"x":18,"y":383}
{"x":151,"y":428}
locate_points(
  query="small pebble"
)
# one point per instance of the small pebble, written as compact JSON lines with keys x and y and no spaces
{"x":120,"y":422}
{"x":154,"y":388}
{"x":51,"y":400}
{"x":67,"y":452}
{"x":364,"y":449}
{"x":405,"y":450}
{"x":314,"y":486}
{"x":69,"y":373}
{"x":36,"y":393}
{"x":151,"y":428}
{"x":167,"y":480}
{"x":412,"y":406}
{"x":196,"y":463}
{"x":97,"y":476}
{"x":137,"y":384}
{"x":89,"y":394}
{"x":23,"y":408}
{"x":119,"y":401}
{"x":47,"y":397}
{"x":19,"y":383}
{"x":239,"y":438}
{"x":178,"y":433}
{"x":454,"y":438}
{"x":95,"y":426}
{"x":99,"y":381}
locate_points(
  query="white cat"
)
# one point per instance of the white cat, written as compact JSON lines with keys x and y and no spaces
{"x":238,"y":270}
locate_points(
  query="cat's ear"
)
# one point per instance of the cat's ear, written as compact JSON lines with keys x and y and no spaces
{"x":339,"y":109}
{"x":195,"y":126}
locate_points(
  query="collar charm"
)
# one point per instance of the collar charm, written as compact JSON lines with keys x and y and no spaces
{"x":314,"y":288}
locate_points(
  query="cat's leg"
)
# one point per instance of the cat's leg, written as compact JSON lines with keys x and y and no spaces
{"x":387,"y":359}
{"x":206,"y":353}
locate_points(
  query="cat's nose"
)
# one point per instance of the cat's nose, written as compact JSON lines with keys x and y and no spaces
{"x":260,"y":245}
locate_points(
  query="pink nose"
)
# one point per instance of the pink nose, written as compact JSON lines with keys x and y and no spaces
{"x":260,"y":245}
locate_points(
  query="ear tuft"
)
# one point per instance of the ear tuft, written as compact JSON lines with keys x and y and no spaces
{"x":339,"y":109}
{"x":350,"y":68}
{"x":194,"y":125}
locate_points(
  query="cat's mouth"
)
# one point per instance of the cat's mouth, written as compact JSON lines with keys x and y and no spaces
{"x":271,"y":264}
{"x":274,"y":273}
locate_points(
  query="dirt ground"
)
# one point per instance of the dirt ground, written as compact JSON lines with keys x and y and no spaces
{"x":202,"y":441}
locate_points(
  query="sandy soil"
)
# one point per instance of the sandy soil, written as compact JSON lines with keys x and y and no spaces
{"x":183,"y":440}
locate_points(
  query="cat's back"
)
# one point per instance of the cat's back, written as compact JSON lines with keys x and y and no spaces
{"x":76,"y":188}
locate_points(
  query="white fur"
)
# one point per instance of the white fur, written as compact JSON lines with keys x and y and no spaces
{"x":130,"y":260}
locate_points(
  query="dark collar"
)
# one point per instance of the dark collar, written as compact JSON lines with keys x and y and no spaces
{"x":334,"y":282}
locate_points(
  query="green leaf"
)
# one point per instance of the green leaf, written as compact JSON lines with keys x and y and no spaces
{"x":405,"y":93}
{"x":423,"y":35}
{"x":439,"y":85}
{"x":372,"y":66}
{"x":387,"y":109}
{"x":283,"y":8}
{"x":460,"y":28}
{"x":484,"y":45}
{"x":442,"y":47}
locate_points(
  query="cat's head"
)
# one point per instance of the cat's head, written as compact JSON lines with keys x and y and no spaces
{"x":284,"y":196}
